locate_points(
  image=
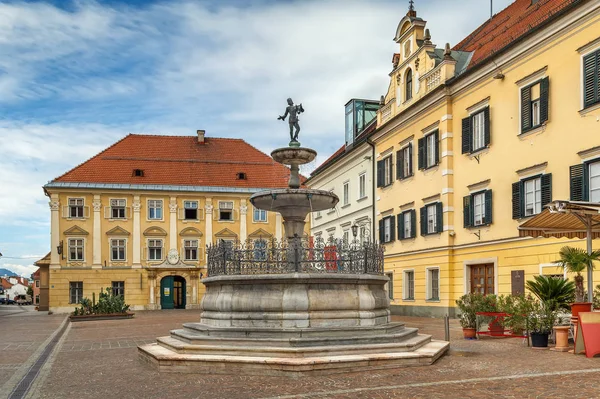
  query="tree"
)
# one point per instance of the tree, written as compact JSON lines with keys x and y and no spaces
{"x":30,"y":291}
{"x":576,"y":260}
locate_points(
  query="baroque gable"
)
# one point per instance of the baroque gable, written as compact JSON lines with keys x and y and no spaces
{"x":117,"y":231}
{"x":75,"y":231}
{"x":155,"y":232}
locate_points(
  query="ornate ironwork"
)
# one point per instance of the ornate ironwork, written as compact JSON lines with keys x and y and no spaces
{"x":297,"y":255}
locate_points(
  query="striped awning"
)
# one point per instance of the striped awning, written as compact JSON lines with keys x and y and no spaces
{"x":564,"y":219}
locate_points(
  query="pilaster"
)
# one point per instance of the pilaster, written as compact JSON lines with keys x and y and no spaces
{"x":278,"y":225}
{"x":172,"y":223}
{"x":243,"y":213}
{"x":208,"y":208}
{"x":54,"y":231}
{"x":97,"y":234}
{"x":137,"y":227}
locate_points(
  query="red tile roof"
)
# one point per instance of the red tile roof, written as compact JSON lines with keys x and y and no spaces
{"x":509,"y":25}
{"x":181,"y":160}
{"x":5,"y":283}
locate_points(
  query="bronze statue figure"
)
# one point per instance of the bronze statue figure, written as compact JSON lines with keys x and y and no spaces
{"x":293,"y":111}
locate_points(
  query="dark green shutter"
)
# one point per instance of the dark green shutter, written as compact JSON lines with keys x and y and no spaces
{"x":413,"y":223}
{"x":410,"y":160}
{"x":423,"y":221}
{"x":436,"y":134}
{"x":439,"y":214}
{"x":399,"y":162}
{"x":544,"y":96}
{"x":381,"y":231}
{"x":546,"y":188}
{"x":401,"y":226}
{"x":488,"y":207}
{"x":486,"y":124}
{"x":590,"y":78}
{"x":421,"y":155}
{"x":467,"y":211}
{"x":516,"y":200}
{"x":578,"y":183}
{"x":466,"y":135}
{"x":392,"y":228}
{"x":526,"y":109}
{"x":380,"y":172}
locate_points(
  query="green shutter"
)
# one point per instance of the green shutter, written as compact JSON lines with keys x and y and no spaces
{"x":486,"y":132}
{"x":466,"y":135}
{"x":488,"y":207}
{"x":467,"y":211}
{"x":436,"y":134}
{"x":526,"y":109}
{"x":410,"y":160}
{"x":439,"y":213}
{"x":413,"y":223}
{"x":380,"y":172}
{"x":590,"y":78}
{"x":546,"y":188}
{"x":392,"y":228}
{"x":544,"y":96}
{"x":516,"y":200}
{"x":421,"y":153}
{"x":401,"y":226}
{"x":423,"y":213}
{"x":381,"y":231}
{"x":399,"y":163}
{"x":577,"y":177}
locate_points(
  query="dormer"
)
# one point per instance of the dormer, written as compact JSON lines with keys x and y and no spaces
{"x":410,"y":33}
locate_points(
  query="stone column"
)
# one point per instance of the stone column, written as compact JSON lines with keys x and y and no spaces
{"x":97,"y":234}
{"x":151,"y":283}
{"x":173,"y":224}
{"x":278,"y":224}
{"x":55,"y":232}
{"x":243,"y":213}
{"x":194,"y":281}
{"x":208,"y":208}
{"x":137,"y":234}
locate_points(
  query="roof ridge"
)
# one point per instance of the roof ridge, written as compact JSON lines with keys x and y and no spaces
{"x":172,"y":136}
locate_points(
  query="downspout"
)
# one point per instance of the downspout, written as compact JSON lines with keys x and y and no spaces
{"x":373,"y":178}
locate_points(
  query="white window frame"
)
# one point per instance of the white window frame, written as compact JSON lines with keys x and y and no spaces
{"x":389,"y":285}
{"x":405,"y":286}
{"x":346,"y":235}
{"x":118,"y":207}
{"x":407,"y":224}
{"x":478,"y":130}
{"x":197,"y":208}
{"x":479,"y":209}
{"x":79,"y":292}
{"x":222,"y":207}
{"x":430,"y":150}
{"x":111,"y":246}
{"x":362,"y":185}
{"x":76,"y":246}
{"x":149,"y":247}
{"x":431,"y":216}
{"x":536,"y":192}
{"x":118,"y":288}
{"x":407,"y":160}
{"x":162,"y":209}
{"x":387,"y":229}
{"x":429,"y":286}
{"x":554,"y":266}
{"x":596,"y":189}
{"x":260,"y":212}
{"x":388,"y":177}
{"x":82,"y":206}
{"x":346,"y":192}
{"x":191,"y":248}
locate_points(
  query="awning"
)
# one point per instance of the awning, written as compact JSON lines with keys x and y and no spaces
{"x":564,"y":219}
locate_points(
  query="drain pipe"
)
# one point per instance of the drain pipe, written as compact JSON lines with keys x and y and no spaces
{"x":373,"y":179}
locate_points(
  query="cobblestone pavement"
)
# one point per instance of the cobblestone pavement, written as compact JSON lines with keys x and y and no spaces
{"x":100,"y":358}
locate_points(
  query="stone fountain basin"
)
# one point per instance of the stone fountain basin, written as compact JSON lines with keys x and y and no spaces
{"x":294,"y":202}
{"x":293,"y":156}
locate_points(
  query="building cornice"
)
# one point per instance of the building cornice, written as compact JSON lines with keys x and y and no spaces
{"x":150,"y":187}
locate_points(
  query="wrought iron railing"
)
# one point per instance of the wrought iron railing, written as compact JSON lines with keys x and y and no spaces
{"x":297,"y":255}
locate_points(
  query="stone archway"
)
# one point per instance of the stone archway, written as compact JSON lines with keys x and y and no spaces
{"x":191,"y":286}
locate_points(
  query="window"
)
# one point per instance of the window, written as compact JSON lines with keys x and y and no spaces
{"x":531,"y":195}
{"x":76,"y":249}
{"x":346,"y":235}
{"x":407,"y":48}
{"x":226,"y":210}
{"x":408,"y":87}
{"x":37,"y":283}
{"x":384,"y":172}
{"x":362,"y":185}
{"x":534,"y":105}
{"x":386,"y":229}
{"x":389,"y":286}
{"x":76,"y":208}
{"x":37,"y":299}
{"x":477,"y":209}
{"x":260,"y":250}
{"x":429,"y":153}
{"x":585,"y":181}
{"x":190,"y":248}
{"x":260,"y":215}
{"x":409,"y":285}
{"x":594,"y":172}
{"x":117,"y":208}
{"x":591,"y":79}
{"x":155,"y":209}
{"x":117,"y":249}
{"x":317,"y":214}
{"x":432,"y":219}
{"x":138,"y":172}
{"x":75,"y":291}
{"x":407,"y":224}
{"x":404,"y":162}
{"x":476,"y":131}
{"x":190,"y":210}
{"x":155,"y":249}
{"x":118,"y":288}
{"x":346,"y":193}
{"x":433,"y":286}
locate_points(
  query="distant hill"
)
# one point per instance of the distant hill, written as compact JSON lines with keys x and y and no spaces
{"x":4,"y":272}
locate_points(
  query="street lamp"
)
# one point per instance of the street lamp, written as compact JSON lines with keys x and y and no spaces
{"x":354,"y":230}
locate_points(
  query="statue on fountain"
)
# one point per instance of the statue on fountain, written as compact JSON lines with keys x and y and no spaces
{"x":293,"y":111}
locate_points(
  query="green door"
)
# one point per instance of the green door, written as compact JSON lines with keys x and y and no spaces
{"x":166,"y":293}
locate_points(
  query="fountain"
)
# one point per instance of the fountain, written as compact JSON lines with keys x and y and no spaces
{"x":294,"y":307}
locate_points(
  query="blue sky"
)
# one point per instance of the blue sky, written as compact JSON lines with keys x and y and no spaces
{"x":76,"y":76}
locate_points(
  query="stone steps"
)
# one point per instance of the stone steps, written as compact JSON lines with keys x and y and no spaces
{"x":169,"y":361}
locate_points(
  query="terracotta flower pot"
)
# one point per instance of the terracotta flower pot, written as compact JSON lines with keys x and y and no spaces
{"x":562,"y":338}
{"x":580,"y":307}
{"x":496,"y":329}
{"x":469,"y":333}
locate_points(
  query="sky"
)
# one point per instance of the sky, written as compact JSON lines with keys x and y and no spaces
{"x":78,"y":75}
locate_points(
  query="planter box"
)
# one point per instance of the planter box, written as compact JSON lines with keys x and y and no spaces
{"x":110,"y":316}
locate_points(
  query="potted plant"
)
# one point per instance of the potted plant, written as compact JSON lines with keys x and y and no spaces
{"x":518,"y":308}
{"x":541,"y":320}
{"x":468,"y":306}
{"x":556,"y":291}
{"x":577,"y":260}
{"x":489,"y":304}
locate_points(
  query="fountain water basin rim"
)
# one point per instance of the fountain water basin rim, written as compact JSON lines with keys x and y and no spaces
{"x":301,"y":199}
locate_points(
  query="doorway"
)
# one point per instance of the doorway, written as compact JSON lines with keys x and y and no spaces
{"x":482,"y":279}
{"x":172,"y":292}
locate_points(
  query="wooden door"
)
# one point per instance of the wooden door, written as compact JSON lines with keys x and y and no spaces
{"x":166,"y":293}
{"x":179,"y":292}
{"x":482,"y":279}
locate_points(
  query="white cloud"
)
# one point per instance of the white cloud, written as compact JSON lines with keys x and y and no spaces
{"x":21,"y":270}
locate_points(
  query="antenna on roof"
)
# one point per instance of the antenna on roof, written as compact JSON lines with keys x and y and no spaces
{"x":491,"y":9}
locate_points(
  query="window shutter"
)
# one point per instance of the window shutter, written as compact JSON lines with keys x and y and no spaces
{"x":578,"y":183}
{"x":423,"y":221}
{"x":380,"y":173}
{"x":488,"y":207}
{"x":437,"y":146}
{"x":392,"y":228}
{"x":590,"y":78}
{"x":381,"y":231}
{"x":421,"y":153}
{"x":439,"y":213}
{"x":410,"y":160}
{"x":516,"y":200}
{"x":466,"y":135}
{"x":546,"y":181}
{"x":486,"y":122}
{"x":525,"y":109}
{"x":467,"y":211}
{"x":413,"y":223}
{"x":399,"y":163}
{"x":544,"y":96}
{"x":401,"y":226}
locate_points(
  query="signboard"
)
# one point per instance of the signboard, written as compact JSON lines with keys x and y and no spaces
{"x":517,"y":282}
{"x":588,"y":334}
{"x":167,"y":291}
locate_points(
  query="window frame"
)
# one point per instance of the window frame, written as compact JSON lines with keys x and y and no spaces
{"x":428,"y":208}
{"x":362,"y":185}
{"x":390,"y":285}
{"x":118,"y":208}
{"x":429,"y":297}
{"x":149,"y":217}
{"x":76,"y":206}
{"x":584,"y":105}
{"x":480,"y":134}
{"x":406,"y":287}
{"x":346,"y":193}
{"x":481,"y":196}
{"x":191,"y":248}
{"x":588,"y":166}
{"x":155,"y":247}
{"x":69,"y":245}
{"x":259,"y":219}
{"x":186,"y":209}
{"x":387,"y":171}
{"x":112,"y":248}
{"x":223,"y":209}
{"x":118,"y":289}
{"x":532,"y":179}
{"x":408,"y":85}
{"x":75,"y":292}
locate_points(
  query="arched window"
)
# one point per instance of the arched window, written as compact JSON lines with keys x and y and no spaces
{"x":408,"y":80}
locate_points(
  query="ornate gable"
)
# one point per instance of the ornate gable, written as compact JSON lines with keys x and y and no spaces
{"x":75,"y":231}
{"x":154,"y":232}
{"x":260,"y":233}
{"x":226,"y":233}
{"x":190,"y":232}
{"x":117,"y":231}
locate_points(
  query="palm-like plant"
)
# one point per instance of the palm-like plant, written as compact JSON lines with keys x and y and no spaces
{"x":576,"y":260}
{"x":556,"y":292}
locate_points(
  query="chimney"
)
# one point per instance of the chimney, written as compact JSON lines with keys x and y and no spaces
{"x":201,"y":136}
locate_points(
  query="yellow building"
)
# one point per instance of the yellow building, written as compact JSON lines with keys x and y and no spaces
{"x":137,"y":217}
{"x":472,"y":140}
